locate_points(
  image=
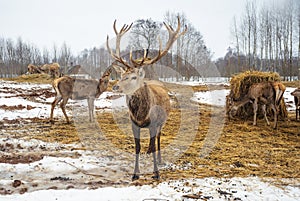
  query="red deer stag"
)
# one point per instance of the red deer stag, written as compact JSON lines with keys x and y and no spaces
{"x":296,"y":94}
{"x":78,"y":89}
{"x":148,"y":102}
{"x":266,"y":93}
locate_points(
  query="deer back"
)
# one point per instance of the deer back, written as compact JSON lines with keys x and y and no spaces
{"x":85,"y":88}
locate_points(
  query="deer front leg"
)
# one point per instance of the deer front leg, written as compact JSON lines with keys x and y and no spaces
{"x":255,"y":105}
{"x":136,"y":133}
{"x":91,"y":108}
{"x":153,"y":134}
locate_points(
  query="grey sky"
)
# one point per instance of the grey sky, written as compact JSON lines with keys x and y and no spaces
{"x":85,"y":23}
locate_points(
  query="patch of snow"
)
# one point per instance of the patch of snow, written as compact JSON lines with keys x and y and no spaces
{"x":212,"y":189}
{"x":215,"y":97}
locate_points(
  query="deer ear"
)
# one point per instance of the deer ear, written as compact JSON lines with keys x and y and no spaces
{"x":141,"y":73}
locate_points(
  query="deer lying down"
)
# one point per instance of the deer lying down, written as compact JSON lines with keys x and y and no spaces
{"x":296,"y":94}
{"x":266,"y":93}
{"x":78,"y":89}
{"x":148,"y":102}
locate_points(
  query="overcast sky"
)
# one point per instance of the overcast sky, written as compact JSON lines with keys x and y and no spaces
{"x":86,"y":23}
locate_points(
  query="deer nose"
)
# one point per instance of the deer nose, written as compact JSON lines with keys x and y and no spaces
{"x":115,"y":88}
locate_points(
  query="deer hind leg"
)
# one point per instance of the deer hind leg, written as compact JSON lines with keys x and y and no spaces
{"x":63,"y":108}
{"x":136,"y":133}
{"x":54,"y":103}
{"x":265,"y":114}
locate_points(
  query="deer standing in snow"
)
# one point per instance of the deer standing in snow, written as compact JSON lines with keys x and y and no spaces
{"x":296,"y":94}
{"x":78,"y":89}
{"x":148,"y":102}
{"x":266,"y":93}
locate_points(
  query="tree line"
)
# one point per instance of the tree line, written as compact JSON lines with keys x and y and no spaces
{"x":16,"y":55}
{"x":188,"y":58}
{"x":265,"y":38}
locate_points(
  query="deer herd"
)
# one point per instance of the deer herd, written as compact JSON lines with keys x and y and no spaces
{"x":148,"y":100}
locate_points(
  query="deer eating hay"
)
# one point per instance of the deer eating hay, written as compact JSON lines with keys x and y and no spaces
{"x":78,"y":89}
{"x":51,"y":69}
{"x":148,"y":102}
{"x":266,"y":93}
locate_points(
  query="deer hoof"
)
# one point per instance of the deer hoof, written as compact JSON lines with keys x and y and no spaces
{"x":156,"y":176}
{"x":149,"y":151}
{"x":135,"y":177}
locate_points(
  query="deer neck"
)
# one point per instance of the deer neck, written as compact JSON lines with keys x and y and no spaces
{"x":242,"y":102}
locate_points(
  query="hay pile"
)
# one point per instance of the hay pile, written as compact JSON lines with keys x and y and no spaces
{"x":33,"y":78}
{"x":239,"y":85}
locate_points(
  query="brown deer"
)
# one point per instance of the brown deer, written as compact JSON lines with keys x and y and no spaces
{"x":266,"y":93}
{"x":148,"y":102}
{"x":78,"y":89}
{"x":51,"y":69}
{"x":296,"y":94}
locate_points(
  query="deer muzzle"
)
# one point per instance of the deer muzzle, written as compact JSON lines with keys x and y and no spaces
{"x":116,"y":88}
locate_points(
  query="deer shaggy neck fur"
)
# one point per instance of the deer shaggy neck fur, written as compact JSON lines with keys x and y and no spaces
{"x":149,"y":105}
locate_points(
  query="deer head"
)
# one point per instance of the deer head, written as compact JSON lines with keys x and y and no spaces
{"x":132,"y":72}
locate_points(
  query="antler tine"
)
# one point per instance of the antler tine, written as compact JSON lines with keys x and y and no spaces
{"x":119,"y":34}
{"x":173,"y":36}
{"x":115,"y":29}
{"x":138,"y":63}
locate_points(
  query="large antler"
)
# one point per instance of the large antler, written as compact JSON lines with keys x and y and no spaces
{"x":173,"y":36}
{"x":119,"y":34}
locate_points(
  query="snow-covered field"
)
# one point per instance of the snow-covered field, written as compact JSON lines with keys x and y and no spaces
{"x":17,"y":180}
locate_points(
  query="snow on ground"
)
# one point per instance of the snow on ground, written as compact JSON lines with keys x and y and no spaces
{"x":251,"y":188}
{"x":60,"y":172}
{"x":12,"y":94}
{"x":215,"y":97}
{"x":203,"y":189}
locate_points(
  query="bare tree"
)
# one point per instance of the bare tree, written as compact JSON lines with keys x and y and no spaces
{"x":65,"y":54}
{"x":145,"y":32}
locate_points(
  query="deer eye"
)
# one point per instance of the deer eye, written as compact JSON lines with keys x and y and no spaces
{"x":133,"y":78}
